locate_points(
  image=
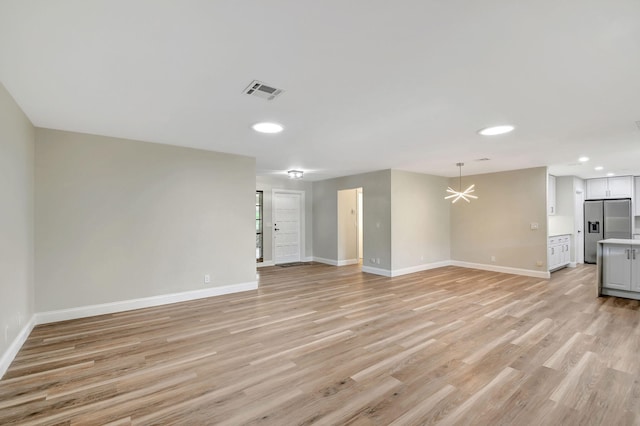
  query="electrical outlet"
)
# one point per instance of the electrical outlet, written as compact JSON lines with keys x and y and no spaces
{"x":378,"y":260}
{"x":372,"y":260}
{"x":539,"y":263}
{"x":493,"y":258}
{"x":207,"y":279}
{"x":534,"y":226}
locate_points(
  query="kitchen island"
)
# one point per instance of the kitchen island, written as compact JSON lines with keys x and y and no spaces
{"x":618,"y":272}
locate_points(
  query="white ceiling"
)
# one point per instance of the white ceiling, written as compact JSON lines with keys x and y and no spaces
{"x":370,"y":84}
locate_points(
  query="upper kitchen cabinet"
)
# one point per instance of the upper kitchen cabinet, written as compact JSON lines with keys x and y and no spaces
{"x":611,"y":187}
{"x":636,"y":199}
{"x":551,"y":195}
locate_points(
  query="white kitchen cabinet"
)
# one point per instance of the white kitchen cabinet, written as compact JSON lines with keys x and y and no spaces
{"x":553,"y":257}
{"x":611,"y":187}
{"x":621,"y":267}
{"x":551,"y":195}
{"x":620,"y":187}
{"x":636,"y":199}
{"x":597,"y":188}
{"x":565,"y":249}
{"x":558,"y":252}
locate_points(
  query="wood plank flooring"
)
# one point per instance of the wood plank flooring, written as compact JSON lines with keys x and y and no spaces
{"x":324,"y":345}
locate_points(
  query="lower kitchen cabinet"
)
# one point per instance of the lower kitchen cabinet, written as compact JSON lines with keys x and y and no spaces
{"x":621,"y":267}
{"x":558,"y":252}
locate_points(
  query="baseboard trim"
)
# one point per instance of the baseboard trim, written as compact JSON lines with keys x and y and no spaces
{"x":265,"y":263}
{"x":145,"y":302}
{"x":376,"y":271}
{"x":503,"y":269}
{"x":325,"y":261}
{"x":420,"y":268}
{"x":9,"y":355}
{"x":347,"y":262}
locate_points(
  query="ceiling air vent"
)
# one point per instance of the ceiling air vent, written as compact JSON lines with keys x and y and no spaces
{"x":261,"y":90}
{"x":482,"y":159}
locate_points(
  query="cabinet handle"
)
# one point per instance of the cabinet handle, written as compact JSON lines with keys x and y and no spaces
{"x":634,"y":254}
{"x":627,"y":251}
{"x":553,"y":250}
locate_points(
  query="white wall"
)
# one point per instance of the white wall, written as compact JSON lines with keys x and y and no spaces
{"x":269,"y":183}
{"x":17,"y":137}
{"x":419,"y":219}
{"x":119,"y":219}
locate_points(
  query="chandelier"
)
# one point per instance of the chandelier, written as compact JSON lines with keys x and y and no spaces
{"x":460,"y":194}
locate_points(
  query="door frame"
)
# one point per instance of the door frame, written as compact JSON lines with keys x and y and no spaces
{"x":301,"y":222}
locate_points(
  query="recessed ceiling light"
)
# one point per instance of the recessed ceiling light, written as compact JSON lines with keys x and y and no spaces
{"x":583,"y":159}
{"x":266,"y":127}
{"x":598,"y":168}
{"x":496,"y":130}
{"x":611,"y":174}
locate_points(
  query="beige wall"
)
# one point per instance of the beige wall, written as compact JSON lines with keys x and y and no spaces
{"x":268,"y":184}
{"x":376,"y":190}
{"x":419,"y":219}
{"x":498,"y":223}
{"x":348,"y":225}
{"x":119,"y":219}
{"x":17,"y":137}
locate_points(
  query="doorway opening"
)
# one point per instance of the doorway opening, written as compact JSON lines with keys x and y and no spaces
{"x":350,"y":226}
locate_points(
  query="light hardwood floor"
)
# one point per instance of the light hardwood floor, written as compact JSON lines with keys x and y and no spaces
{"x":325,"y":345}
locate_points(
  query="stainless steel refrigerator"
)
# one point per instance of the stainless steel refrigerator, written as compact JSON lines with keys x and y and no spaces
{"x":605,"y":219}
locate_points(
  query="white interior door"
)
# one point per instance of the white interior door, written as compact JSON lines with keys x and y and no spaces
{"x":286,"y":227}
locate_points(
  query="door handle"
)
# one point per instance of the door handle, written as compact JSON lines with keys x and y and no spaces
{"x":276,"y":229}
